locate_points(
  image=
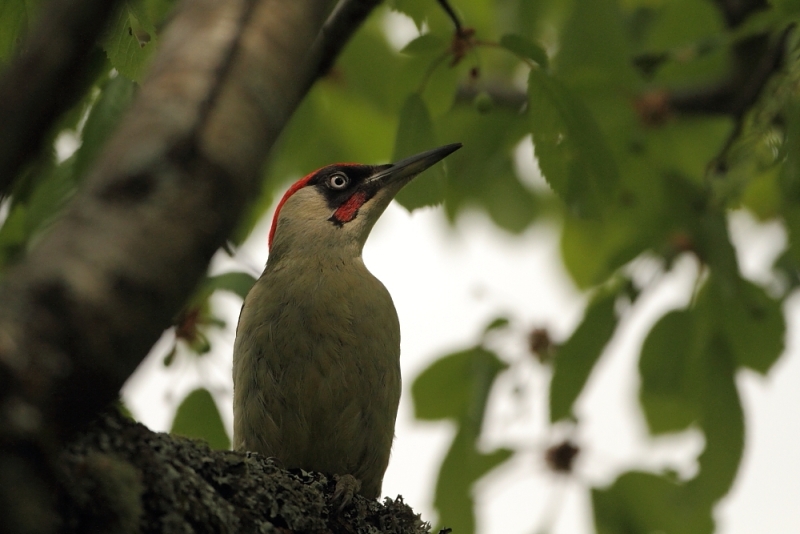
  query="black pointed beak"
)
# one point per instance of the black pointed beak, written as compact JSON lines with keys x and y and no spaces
{"x":405,"y":169}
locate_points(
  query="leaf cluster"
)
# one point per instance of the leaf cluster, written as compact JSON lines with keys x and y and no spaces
{"x":650,"y":121}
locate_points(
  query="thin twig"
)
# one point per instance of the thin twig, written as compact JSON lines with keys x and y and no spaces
{"x":452,"y":14}
{"x":346,"y":18}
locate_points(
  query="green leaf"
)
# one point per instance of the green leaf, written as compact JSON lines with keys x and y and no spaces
{"x":115,"y":98}
{"x":664,"y":365}
{"x":198,"y":417}
{"x":525,"y":48}
{"x":125,"y":45}
{"x":592,"y":251}
{"x":13,"y":235}
{"x":691,"y":32}
{"x":754,"y":325}
{"x":415,"y":134}
{"x":140,"y":11}
{"x":722,"y":423}
{"x":593,"y":55}
{"x":482,"y":173}
{"x":119,"y":404}
{"x":425,"y":44}
{"x":416,"y":9}
{"x":13,"y":25}
{"x":463,"y":465}
{"x":50,"y":196}
{"x":570,"y":147}
{"x":497,"y":323}
{"x":456,"y":386}
{"x":687,"y":146}
{"x":644,"y":502}
{"x":575,"y":359}
{"x":238,"y":283}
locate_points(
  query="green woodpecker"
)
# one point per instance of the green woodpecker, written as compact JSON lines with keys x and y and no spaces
{"x":316,"y":362}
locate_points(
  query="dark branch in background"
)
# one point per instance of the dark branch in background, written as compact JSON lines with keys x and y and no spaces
{"x":346,"y":18}
{"x":47,"y":78}
{"x":754,"y":60}
{"x":452,"y":14}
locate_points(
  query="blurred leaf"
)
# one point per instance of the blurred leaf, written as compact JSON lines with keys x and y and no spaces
{"x":50,"y":196}
{"x":368,"y":69}
{"x":511,"y":205}
{"x":416,"y":9}
{"x":427,"y":43}
{"x":687,"y":146}
{"x":722,"y":423}
{"x":440,"y":87}
{"x":140,"y":10}
{"x":463,"y":465}
{"x":198,"y":417}
{"x":34,"y":206}
{"x":644,"y":502}
{"x":664,"y":366}
{"x":482,"y":173}
{"x":592,"y":251}
{"x":570,"y":147}
{"x":690,"y":31}
{"x":13,"y":235}
{"x":593,"y":56}
{"x":495,"y":324}
{"x":119,"y":404}
{"x":115,"y":97}
{"x":238,"y":283}
{"x":525,"y":48}
{"x":127,"y":53}
{"x":13,"y":24}
{"x":456,"y":386}
{"x":575,"y":358}
{"x":170,"y":357}
{"x":415,"y":134}
{"x":754,"y":325}
{"x":762,"y":195}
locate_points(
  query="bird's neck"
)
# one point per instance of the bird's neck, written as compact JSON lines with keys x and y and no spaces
{"x":316,"y":257}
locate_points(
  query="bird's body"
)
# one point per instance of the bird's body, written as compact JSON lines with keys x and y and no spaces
{"x":321,"y":393}
{"x":316,"y":364}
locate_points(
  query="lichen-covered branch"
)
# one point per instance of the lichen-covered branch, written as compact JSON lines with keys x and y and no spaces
{"x":120,"y":478}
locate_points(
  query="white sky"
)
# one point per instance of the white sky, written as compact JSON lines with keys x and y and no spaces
{"x":447,"y":284}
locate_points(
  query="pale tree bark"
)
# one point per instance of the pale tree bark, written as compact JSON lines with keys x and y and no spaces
{"x":79,"y":313}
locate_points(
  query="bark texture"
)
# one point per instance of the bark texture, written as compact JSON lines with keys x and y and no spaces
{"x":80,"y":312}
{"x":119,"y":477}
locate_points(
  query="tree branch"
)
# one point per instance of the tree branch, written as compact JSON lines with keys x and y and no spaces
{"x":120,"y":477}
{"x":47,"y":78}
{"x":82,"y":310}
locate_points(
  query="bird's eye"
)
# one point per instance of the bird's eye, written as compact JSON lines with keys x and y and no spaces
{"x":338,"y":181}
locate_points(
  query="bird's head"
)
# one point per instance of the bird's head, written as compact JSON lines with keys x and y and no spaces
{"x":336,"y":206}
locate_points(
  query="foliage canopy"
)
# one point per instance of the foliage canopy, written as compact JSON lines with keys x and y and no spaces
{"x":650,"y":120}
